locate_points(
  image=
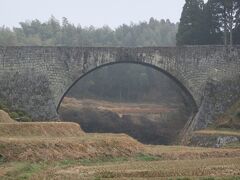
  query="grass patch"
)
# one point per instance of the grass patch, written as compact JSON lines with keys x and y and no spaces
{"x":208,"y":178}
{"x":23,"y":171}
{"x":147,"y":157}
{"x":68,"y":163}
{"x":233,"y":145}
{"x":2,"y":159}
{"x":222,"y":178}
{"x":182,"y":170}
{"x":100,"y":160}
{"x":106,"y":174}
{"x":2,"y":146}
{"x":109,"y":159}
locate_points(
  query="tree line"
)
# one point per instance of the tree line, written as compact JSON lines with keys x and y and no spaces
{"x":55,"y":33}
{"x":214,"y":22}
{"x":127,"y":82}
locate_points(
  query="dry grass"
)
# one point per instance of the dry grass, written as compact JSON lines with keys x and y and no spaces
{"x":119,"y":108}
{"x":62,"y":151}
{"x":51,"y":149}
{"x":190,"y":153}
{"x":218,"y":132}
{"x":221,"y":167}
{"x":44,"y":129}
{"x":5,"y":118}
{"x":114,"y":156}
{"x":165,"y":162}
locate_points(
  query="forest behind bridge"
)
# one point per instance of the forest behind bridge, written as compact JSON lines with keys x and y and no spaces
{"x":64,"y":33}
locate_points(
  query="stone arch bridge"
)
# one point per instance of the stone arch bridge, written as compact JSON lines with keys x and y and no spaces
{"x":35,"y":79}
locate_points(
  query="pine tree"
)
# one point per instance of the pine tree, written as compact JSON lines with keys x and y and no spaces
{"x":191,"y":27}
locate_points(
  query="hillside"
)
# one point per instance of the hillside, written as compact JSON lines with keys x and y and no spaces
{"x":61,"y":150}
{"x":51,"y":141}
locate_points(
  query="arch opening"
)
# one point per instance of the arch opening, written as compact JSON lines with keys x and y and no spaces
{"x":193,"y":102}
{"x":187,"y":99}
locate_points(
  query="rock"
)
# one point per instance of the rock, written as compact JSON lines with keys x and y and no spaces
{"x":222,"y":141}
{"x":212,"y":141}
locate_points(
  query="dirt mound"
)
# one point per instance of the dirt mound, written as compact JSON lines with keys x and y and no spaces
{"x":40,"y":129}
{"x":51,"y":149}
{"x":5,"y":118}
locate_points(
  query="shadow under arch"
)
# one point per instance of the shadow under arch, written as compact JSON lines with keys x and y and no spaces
{"x":189,"y":96}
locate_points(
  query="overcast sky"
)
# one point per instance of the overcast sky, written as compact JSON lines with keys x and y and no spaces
{"x":89,"y":12}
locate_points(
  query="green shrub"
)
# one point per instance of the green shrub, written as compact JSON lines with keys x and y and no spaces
{"x":14,"y":115}
{"x":2,"y":105}
{"x":21,"y":113}
{"x":238,"y":114}
{"x":2,"y":146}
{"x":18,"y":115}
{"x":2,"y":159}
{"x":6,"y":109}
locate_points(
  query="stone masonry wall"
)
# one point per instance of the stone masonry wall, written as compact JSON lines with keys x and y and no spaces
{"x":35,"y":79}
